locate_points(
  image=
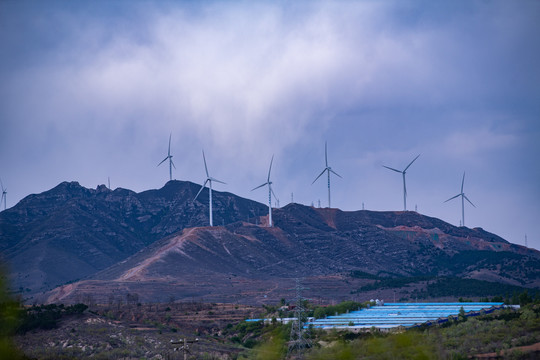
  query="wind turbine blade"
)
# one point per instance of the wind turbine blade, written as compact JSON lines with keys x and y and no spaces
{"x":169,"y":153}
{"x":335,"y":173}
{"x":202,"y":187}
{"x":453,"y":197}
{"x":172,"y":163}
{"x":318,"y":177}
{"x":325,"y":154}
{"x":466,"y":198}
{"x":162,"y":161}
{"x":399,"y":171}
{"x":411,"y":163}
{"x":205,"y":168}
{"x":272,"y":191}
{"x":260,"y":186}
{"x":462,"y":182}
{"x":270,"y":169}
{"x":218,"y":181}
{"x":2,"y":184}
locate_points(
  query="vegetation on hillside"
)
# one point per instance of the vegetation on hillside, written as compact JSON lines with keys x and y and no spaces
{"x":437,"y":287}
{"x":72,"y":332}
{"x":457,"y":339}
{"x":9,"y":311}
{"x":45,"y":316}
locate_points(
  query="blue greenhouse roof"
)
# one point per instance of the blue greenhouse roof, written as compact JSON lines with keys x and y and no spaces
{"x":392,"y":315}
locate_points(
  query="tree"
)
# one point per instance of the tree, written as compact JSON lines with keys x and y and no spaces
{"x":524,"y":298}
{"x":462,"y":315}
{"x":9,"y":319}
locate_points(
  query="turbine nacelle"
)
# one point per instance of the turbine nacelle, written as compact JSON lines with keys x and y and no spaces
{"x":403,"y":172}
{"x":4,"y":195}
{"x":169,"y":157}
{"x":208,"y":180}
{"x":328,"y":170}
{"x":463,"y":198}
{"x":270,"y":192}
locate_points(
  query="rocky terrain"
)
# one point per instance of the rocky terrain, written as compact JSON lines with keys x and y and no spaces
{"x":99,"y":244}
{"x":70,"y":232}
{"x":134,"y":331}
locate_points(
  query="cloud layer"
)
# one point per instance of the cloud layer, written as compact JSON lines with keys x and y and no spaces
{"x":94,"y":90}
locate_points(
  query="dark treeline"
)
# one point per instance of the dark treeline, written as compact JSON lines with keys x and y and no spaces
{"x":451,"y":287}
{"x":45,"y":317}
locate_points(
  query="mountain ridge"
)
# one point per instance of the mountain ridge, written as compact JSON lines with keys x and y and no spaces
{"x":156,"y":243}
{"x":91,"y":229}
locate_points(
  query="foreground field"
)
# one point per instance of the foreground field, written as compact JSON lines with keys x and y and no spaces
{"x":145,"y":331}
{"x":134,"y":331}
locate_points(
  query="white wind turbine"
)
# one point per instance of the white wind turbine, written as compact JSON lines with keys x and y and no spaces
{"x":4,"y":195}
{"x":169,"y":156}
{"x":208,"y":180}
{"x":270,"y":193}
{"x":404,"y":186}
{"x":463,"y":198}
{"x":329,"y":170}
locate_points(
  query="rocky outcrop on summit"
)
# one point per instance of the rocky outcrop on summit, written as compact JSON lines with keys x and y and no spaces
{"x":71,"y":232}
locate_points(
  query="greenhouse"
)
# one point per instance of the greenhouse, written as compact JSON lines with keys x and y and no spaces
{"x":393,"y":315}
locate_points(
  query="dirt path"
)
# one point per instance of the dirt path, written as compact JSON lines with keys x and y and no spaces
{"x":175,"y":244}
{"x":523,"y":349}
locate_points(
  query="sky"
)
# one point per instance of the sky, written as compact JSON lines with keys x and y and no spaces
{"x":92,"y":91}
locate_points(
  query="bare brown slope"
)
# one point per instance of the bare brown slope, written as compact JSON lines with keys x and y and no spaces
{"x":249,"y":262}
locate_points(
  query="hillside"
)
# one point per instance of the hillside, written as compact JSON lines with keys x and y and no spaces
{"x":257,"y":264}
{"x":71,"y":232}
{"x":100,"y":244}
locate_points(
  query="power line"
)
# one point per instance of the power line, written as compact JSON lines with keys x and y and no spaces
{"x":185,"y":345}
{"x":298,"y":341}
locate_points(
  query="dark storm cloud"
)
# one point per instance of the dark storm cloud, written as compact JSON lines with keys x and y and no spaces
{"x":92,"y":90}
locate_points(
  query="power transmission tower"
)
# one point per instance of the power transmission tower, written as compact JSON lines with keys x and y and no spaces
{"x":298,"y":341}
{"x":185,"y":347}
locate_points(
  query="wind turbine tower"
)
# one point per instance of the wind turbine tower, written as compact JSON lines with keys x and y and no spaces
{"x":208,"y":180}
{"x":270,"y":193}
{"x":463,"y":198}
{"x":169,"y":157}
{"x":329,"y":170}
{"x":404,"y":185}
{"x":4,"y":195}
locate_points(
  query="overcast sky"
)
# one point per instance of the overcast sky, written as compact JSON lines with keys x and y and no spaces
{"x":91,"y":90}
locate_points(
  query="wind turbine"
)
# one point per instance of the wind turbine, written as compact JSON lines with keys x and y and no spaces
{"x":329,"y":170}
{"x":208,"y":180}
{"x":463,"y":198}
{"x":4,"y":195}
{"x":169,"y":156}
{"x":270,"y":193}
{"x":404,"y":186}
